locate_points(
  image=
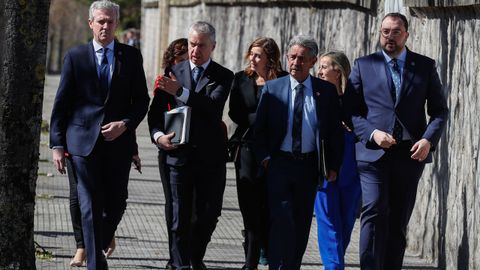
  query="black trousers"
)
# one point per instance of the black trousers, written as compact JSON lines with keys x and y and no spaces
{"x":167,"y":192}
{"x":192,"y":229}
{"x":75,"y":214}
{"x":252,"y":200}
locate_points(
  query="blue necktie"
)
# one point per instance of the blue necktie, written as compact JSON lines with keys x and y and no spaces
{"x":297,"y":120}
{"x":397,"y":128}
{"x":196,"y":73}
{"x":104,"y":71}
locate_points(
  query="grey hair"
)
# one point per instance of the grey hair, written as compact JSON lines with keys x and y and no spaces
{"x":203,"y":28}
{"x":104,"y":4}
{"x":305,"y":41}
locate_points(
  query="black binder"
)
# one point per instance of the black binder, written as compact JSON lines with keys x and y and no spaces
{"x":178,"y":121}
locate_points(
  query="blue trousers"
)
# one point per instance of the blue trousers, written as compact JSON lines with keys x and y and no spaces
{"x":291,"y":193}
{"x":389,"y":188}
{"x":336,"y":206}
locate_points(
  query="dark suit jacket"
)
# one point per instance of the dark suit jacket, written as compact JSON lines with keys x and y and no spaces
{"x":207,"y":100}
{"x":244,"y":98}
{"x":80,"y":107}
{"x":272,"y":120}
{"x":243,"y":105}
{"x":372,"y":104}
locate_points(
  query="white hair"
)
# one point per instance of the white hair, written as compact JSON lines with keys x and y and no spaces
{"x":305,"y":41}
{"x":104,"y":4}
{"x":203,"y":28}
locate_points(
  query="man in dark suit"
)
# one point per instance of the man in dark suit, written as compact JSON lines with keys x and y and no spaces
{"x":197,"y":168}
{"x":297,"y":114}
{"x":388,"y":96}
{"x":101,"y":99}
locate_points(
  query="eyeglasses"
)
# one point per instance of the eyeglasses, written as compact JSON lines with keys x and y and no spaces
{"x":391,"y":32}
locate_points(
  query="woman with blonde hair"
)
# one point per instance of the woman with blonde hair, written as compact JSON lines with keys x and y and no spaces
{"x":337,"y":202}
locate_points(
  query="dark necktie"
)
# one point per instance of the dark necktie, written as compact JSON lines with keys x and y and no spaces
{"x":395,"y":91}
{"x":196,"y":73}
{"x":297,"y":120}
{"x":104,"y":71}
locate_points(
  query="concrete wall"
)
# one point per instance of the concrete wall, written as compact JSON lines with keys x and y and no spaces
{"x":443,"y":229}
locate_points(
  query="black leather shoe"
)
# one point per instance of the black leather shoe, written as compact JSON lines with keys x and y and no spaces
{"x":169,"y":266}
{"x":104,"y":264}
{"x":199,"y":266}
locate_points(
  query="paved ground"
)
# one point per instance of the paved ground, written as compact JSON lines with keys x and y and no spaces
{"x":141,"y":236}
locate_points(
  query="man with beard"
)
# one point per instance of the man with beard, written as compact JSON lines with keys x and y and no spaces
{"x":295,"y":115}
{"x":388,"y":95}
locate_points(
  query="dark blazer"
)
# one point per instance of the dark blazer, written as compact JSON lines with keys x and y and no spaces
{"x":207,"y":135}
{"x":244,"y":98}
{"x":80,"y":108}
{"x":272,"y":120}
{"x":372,"y":105}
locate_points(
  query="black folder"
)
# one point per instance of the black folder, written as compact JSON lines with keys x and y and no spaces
{"x":178,"y":121}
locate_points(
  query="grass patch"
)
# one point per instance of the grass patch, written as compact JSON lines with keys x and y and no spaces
{"x":44,"y":196}
{"x":45,"y":126}
{"x":42,"y":254}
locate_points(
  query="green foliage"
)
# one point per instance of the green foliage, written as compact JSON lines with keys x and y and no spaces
{"x":44,"y":127}
{"x":130,"y":12}
{"x":42,"y":254}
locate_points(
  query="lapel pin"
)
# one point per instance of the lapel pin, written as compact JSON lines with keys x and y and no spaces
{"x":318,"y":94}
{"x":413,"y":63}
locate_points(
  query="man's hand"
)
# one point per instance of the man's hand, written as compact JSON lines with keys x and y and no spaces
{"x":264,"y":163}
{"x":420,"y":150}
{"x":383,"y":139}
{"x":165,"y":142}
{"x":169,"y":85}
{"x":113,"y":130}
{"x":137,"y":163}
{"x":331,"y":176}
{"x":58,"y":155}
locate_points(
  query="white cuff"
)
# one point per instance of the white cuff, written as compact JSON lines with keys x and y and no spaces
{"x":184,"y":96}
{"x":371,"y":135}
{"x":157,"y":135}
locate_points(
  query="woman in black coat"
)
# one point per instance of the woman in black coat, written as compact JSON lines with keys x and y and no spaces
{"x":263,"y":58}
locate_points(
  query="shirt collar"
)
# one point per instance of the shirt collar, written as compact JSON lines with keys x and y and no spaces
{"x":205,"y":65}
{"x":97,"y":46}
{"x":307,"y":83}
{"x":401,"y":57}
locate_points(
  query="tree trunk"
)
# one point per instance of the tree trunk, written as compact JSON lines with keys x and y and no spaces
{"x":23,"y":42}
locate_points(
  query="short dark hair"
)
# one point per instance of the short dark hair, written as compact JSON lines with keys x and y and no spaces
{"x":398,"y":16}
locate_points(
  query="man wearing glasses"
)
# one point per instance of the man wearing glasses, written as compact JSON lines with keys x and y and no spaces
{"x":388,"y":93}
{"x":295,"y":114}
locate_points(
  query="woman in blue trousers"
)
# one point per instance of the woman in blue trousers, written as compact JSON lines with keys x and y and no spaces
{"x":337,"y":202}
